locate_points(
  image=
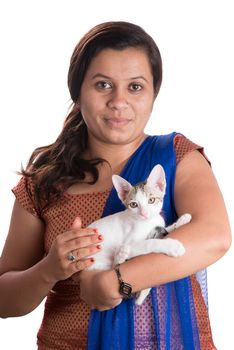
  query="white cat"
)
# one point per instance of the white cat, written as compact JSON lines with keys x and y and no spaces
{"x":133,"y":232}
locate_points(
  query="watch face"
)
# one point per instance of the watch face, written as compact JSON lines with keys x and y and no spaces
{"x":125,"y":289}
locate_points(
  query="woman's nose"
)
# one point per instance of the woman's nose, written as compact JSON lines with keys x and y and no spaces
{"x":118,"y":100}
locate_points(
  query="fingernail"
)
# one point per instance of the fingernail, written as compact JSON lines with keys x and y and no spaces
{"x":98,"y":246}
{"x":92,"y":260}
{"x":100,"y":237}
{"x":95,"y":230}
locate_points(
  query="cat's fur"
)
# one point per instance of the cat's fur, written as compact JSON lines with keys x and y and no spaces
{"x":133,"y":232}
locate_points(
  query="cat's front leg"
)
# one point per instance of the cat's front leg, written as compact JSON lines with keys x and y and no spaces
{"x":122,"y":254}
{"x":168,"y":246}
{"x":183,"y":219}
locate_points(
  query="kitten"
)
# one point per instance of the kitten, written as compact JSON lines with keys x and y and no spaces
{"x":135,"y":231}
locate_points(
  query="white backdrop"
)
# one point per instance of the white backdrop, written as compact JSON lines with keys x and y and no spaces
{"x":196,"y":42}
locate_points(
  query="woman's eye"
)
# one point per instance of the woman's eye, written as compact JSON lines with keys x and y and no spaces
{"x":103,"y":85}
{"x":151,"y":200}
{"x":133,"y":205}
{"x":135,"y":87}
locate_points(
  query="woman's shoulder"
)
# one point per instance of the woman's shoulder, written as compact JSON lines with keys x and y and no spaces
{"x":183,"y":146}
{"x":24,"y":192}
{"x":179,"y":142}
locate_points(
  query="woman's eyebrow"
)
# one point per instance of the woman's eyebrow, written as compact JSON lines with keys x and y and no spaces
{"x":100,"y":75}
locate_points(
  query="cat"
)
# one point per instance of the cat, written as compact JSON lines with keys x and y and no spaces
{"x":139,"y":228}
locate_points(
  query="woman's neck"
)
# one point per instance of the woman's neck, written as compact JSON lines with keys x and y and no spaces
{"x":115,"y":154}
{"x":116,"y":157}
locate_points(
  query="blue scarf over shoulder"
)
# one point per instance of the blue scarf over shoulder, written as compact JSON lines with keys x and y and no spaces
{"x":175,"y":324}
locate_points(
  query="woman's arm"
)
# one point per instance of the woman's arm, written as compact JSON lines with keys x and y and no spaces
{"x":26,"y":276}
{"x":22,"y":287}
{"x":206,"y":238}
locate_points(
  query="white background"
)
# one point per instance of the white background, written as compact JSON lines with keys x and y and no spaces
{"x":196,"y":42}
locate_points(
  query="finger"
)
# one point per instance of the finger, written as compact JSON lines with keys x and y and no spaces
{"x":76,"y":233}
{"x":87,"y":251}
{"x":83,"y":242}
{"x":77,"y":226}
{"x":77,"y":223}
{"x":82,"y":264}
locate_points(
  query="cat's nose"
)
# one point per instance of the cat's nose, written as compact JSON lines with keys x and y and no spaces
{"x":144,"y":214}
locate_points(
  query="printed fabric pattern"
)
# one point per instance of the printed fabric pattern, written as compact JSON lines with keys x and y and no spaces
{"x":172,"y":305}
{"x":65,"y":322}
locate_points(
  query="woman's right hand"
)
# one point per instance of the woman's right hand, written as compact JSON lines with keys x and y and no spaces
{"x":81,"y":242}
{"x":26,"y":274}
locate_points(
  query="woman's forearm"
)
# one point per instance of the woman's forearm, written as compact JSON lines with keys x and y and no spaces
{"x":153,"y":269}
{"x":22,"y":291}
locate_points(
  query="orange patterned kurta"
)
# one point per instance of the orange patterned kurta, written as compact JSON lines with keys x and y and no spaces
{"x":66,"y":316}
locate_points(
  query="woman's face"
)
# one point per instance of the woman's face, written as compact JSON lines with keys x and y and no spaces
{"x":117,"y":95}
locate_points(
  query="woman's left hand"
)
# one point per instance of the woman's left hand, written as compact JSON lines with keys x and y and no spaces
{"x":99,"y":289}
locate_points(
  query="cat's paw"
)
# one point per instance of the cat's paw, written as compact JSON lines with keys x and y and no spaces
{"x":184,"y":219}
{"x":122,"y":254}
{"x":174,"y":247}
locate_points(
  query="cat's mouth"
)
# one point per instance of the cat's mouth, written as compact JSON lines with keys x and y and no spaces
{"x":144,"y":216}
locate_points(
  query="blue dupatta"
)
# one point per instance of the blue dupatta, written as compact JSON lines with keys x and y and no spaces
{"x":175,"y":323}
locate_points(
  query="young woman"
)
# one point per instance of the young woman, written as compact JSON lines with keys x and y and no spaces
{"x":114,"y":77}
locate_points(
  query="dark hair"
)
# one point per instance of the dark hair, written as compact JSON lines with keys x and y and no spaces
{"x":117,"y":36}
{"x":55,"y":167}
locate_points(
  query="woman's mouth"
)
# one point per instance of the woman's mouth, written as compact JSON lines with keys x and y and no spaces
{"x":117,"y":122}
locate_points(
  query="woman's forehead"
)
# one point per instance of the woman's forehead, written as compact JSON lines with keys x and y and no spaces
{"x":129,"y":63}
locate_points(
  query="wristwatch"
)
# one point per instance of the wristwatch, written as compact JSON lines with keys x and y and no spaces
{"x":125,"y":289}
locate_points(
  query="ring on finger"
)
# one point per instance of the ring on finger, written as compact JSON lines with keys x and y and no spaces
{"x":71,"y":257}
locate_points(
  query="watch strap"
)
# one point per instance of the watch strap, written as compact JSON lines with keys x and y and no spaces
{"x":125,"y":289}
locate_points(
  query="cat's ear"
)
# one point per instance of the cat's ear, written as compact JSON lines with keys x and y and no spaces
{"x":157,"y":178}
{"x":122,"y":186}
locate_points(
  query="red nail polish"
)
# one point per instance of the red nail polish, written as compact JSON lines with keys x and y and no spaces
{"x":95,"y":230}
{"x":100,"y":237}
{"x":92,"y":260}
{"x":98,"y":246}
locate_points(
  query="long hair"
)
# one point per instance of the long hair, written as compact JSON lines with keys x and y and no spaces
{"x":55,"y":167}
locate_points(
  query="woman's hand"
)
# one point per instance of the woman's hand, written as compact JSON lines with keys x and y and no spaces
{"x":99,"y":289}
{"x":77,"y":242}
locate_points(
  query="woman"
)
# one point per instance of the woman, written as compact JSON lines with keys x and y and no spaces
{"x":114,"y":77}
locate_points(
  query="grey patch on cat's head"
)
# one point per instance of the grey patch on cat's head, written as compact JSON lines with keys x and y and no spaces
{"x":130,"y":196}
{"x":139,"y":187}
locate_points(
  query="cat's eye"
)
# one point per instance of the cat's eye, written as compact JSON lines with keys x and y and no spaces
{"x":133,"y":205}
{"x":151,"y":200}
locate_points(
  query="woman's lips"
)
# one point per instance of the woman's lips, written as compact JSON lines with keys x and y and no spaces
{"x":117,"y":122}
